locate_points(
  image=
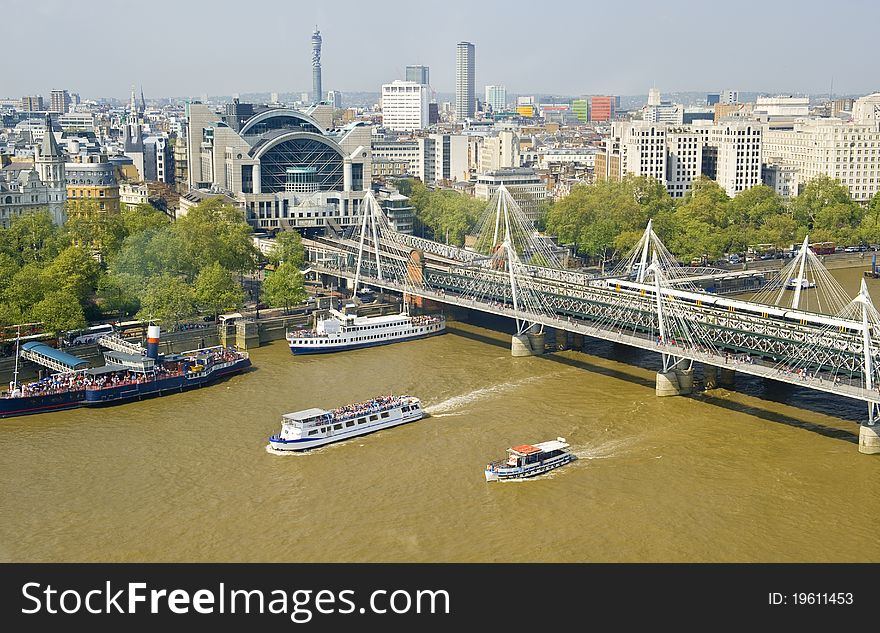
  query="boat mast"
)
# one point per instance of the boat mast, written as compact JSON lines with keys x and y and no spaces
{"x":15,"y":372}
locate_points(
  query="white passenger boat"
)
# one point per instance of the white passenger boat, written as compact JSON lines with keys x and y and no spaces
{"x":528,"y":460}
{"x":311,"y":428}
{"x":805,"y":283}
{"x":340,"y":332}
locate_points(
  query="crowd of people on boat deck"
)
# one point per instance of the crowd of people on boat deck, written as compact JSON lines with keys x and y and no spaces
{"x":379,"y":403}
{"x":77,"y":381}
{"x":426,"y":319}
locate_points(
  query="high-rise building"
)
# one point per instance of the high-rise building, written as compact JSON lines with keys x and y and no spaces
{"x":496,"y":98}
{"x":729,"y":96}
{"x":602,"y":108}
{"x":738,"y":145}
{"x":317,"y":93}
{"x":465,"y":96}
{"x":32,"y":104}
{"x":581,"y":109}
{"x":418,"y":74}
{"x":404,"y":106}
{"x":713,"y":98}
{"x":654,"y":97}
{"x":334,"y":98}
{"x":58,"y":101}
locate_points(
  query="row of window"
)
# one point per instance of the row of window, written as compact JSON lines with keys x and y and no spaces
{"x":348,"y":424}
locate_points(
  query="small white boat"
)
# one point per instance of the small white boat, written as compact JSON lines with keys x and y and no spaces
{"x":528,"y":460}
{"x":310,"y":428}
{"x":792,"y":283}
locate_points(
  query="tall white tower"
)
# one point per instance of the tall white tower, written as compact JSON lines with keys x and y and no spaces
{"x":317,"y":93}
{"x":465,"y":97}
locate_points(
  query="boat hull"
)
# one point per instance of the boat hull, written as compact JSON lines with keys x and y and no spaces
{"x":299,"y":350}
{"x":503,"y":474}
{"x":11,"y":407}
{"x":278,"y":444}
{"x":123,"y":393}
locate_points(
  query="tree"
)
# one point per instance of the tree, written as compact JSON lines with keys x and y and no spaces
{"x":168,"y":299}
{"x":284,"y":287}
{"x":213,"y":231}
{"x":24,"y":290}
{"x":33,"y":237}
{"x":217,"y":290}
{"x":60,"y":310}
{"x":119,"y":292}
{"x":73,"y":270}
{"x":869,"y":229}
{"x":8,"y":268}
{"x":817,"y":194}
{"x":288,"y":248}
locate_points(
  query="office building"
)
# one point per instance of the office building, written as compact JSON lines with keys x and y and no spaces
{"x":496,"y":98}
{"x":32,"y":104}
{"x":524,"y":185}
{"x":786,"y":107}
{"x":729,"y":96}
{"x":283,"y":167}
{"x":712,"y":99}
{"x":443,"y":158}
{"x":404,"y":106}
{"x":334,"y":98}
{"x":418,"y":74}
{"x":738,"y":145}
{"x":602,"y":108}
{"x":58,"y":101}
{"x":581,"y":109}
{"x":92,"y":187}
{"x":847,"y":151}
{"x":866,"y":109}
{"x":500,"y":151}
{"x":465,"y":95}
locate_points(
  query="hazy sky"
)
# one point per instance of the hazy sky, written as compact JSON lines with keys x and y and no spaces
{"x":190,"y":47}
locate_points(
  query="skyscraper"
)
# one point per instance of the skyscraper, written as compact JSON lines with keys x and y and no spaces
{"x":418,"y":74}
{"x":317,"y":93}
{"x":464,"y":81}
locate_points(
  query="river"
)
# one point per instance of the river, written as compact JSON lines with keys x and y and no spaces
{"x":764,"y":472}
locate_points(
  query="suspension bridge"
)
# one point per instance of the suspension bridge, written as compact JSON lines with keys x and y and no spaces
{"x":648,"y":301}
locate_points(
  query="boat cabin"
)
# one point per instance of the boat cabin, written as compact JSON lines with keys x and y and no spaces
{"x":527,"y":454}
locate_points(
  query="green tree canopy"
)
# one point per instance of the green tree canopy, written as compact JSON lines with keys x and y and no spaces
{"x":284,"y":287}
{"x":288,"y":248}
{"x":60,"y":310}
{"x":73,"y":270}
{"x":217,"y":290}
{"x":817,"y":194}
{"x":168,"y":299}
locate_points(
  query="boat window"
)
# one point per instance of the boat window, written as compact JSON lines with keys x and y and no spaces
{"x":349,"y":424}
{"x":374,"y":418}
{"x":361,"y":420}
{"x":313,"y":432}
{"x":404,"y":409}
{"x":336,"y":427}
{"x":384,"y":414}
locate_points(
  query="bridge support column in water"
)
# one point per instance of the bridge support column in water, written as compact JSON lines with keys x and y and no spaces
{"x":710,"y":376}
{"x":725,"y":377}
{"x":529,"y":344}
{"x":869,"y":439}
{"x":678,"y":381}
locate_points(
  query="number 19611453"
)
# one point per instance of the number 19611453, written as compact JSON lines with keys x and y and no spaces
{"x":809,"y":598}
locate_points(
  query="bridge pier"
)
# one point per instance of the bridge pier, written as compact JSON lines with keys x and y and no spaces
{"x":726,"y":377}
{"x":529,"y":344}
{"x":869,"y":439}
{"x":675,"y":382}
{"x":710,"y":376}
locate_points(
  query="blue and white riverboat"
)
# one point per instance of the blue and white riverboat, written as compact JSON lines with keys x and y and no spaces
{"x":315,"y":427}
{"x":340,"y":332}
{"x":528,"y":460}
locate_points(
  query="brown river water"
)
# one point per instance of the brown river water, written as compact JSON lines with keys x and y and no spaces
{"x":765,"y":472}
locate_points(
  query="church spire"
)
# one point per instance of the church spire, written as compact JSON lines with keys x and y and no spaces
{"x":143,"y":103}
{"x":50,"y":145}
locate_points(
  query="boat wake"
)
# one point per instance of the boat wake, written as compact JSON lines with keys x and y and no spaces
{"x":605,"y":450}
{"x":450,"y":405}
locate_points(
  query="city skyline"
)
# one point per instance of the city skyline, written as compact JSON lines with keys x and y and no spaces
{"x":625,"y":60}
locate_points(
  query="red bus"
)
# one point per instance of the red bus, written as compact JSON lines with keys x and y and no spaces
{"x":823,"y":248}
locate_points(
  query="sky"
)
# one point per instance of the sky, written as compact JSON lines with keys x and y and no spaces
{"x":183,"y":48}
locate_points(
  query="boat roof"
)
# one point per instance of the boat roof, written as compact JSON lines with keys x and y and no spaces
{"x":68,"y":360}
{"x":305,"y":414}
{"x":525,"y":449}
{"x":546,"y":447}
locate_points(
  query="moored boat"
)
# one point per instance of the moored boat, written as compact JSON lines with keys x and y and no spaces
{"x":804,"y":283}
{"x":310,"y":428}
{"x":528,"y":460}
{"x":340,"y":332}
{"x":129,"y":373}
